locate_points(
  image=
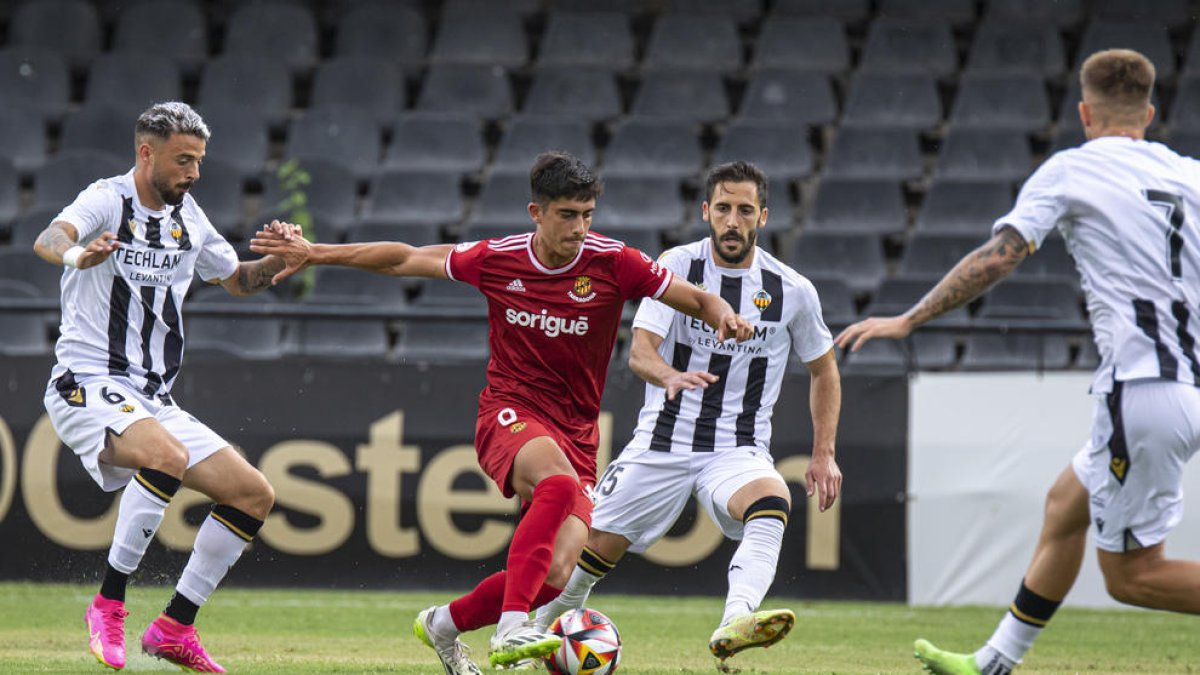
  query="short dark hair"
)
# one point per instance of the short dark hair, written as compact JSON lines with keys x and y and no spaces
{"x":561,"y":175}
{"x":1120,"y":81}
{"x":737,"y":172}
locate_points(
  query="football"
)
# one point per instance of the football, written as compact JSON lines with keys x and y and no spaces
{"x":591,"y":644}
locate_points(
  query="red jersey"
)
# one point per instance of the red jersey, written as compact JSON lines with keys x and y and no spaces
{"x":552,"y":330}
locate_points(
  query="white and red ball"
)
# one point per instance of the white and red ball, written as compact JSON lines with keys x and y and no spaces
{"x":591,"y":644}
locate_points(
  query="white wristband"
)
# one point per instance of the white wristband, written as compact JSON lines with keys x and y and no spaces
{"x":71,"y":255}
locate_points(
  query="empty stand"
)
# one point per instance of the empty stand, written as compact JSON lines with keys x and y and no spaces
{"x":278,"y":30}
{"x":9,"y":198}
{"x":789,"y":96}
{"x":21,"y":264}
{"x":29,"y":225}
{"x":958,"y":12}
{"x":22,"y":137}
{"x":70,"y":27}
{"x":529,"y":136}
{"x":653,"y":149}
{"x":779,"y":149}
{"x":964,"y":207}
{"x":694,"y":95}
{"x":1043,"y":351}
{"x":63,"y":177}
{"x":1001,"y":101}
{"x":413,"y":234}
{"x":100,"y":127}
{"x":868,"y":153}
{"x":337,"y":133}
{"x":929,"y":256}
{"x":399,"y":196}
{"x":179,"y":28}
{"x":261,"y":83}
{"x":582,"y":93}
{"x":432,"y":341}
{"x":481,"y":91}
{"x":370,"y":84}
{"x":219,"y":193}
{"x":503,"y":202}
{"x":802,"y":43}
{"x":36,"y":79}
{"x":1061,"y":13}
{"x":837,"y":300}
{"x":910,"y":46}
{"x":441,"y":143}
{"x":847,"y":10}
{"x":642,"y":202}
{"x":341,"y":338}
{"x":858,"y":206}
{"x":330,"y":196}
{"x":893,"y":100}
{"x":385,"y":31}
{"x":856,"y":258}
{"x":984,"y":154}
{"x":1017,"y":46}
{"x":485,"y":37}
{"x":1033,"y":299}
{"x":593,"y":39}
{"x":239,"y":137}
{"x":694,"y":41}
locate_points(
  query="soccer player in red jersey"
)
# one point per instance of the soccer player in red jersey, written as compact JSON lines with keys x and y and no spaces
{"x":555,"y":298}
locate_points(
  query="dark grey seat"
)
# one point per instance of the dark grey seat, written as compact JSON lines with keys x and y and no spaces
{"x":413,"y":234}
{"x":867,"y":153}
{"x":441,"y":143}
{"x":1061,"y":13}
{"x":481,"y":91}
{"x":68,"y":173}
{"x":779,"y":149}
{"x":414,"y":197}
{"x":447,"y":293}
{"x":1171,"y":13}
{"x":337,"y":133}
{"x":1050,"y":262}
{"x":529,"y":135}
{"x":35,"y":78}
{"x":22,"y":136}
{"x":928,"y":256}
{"x":239,"y":137}
{"x":927,"y":349}
{"x":23,"y":265}
{"x":588,"y":94}
{"x":179,"y":27}
{"x":964,"y":207}
{"x":22,"y":333}
{"x":691,"y":95}
{"x":383,"y":31}
{"x":503,"y":202}
{"x":27,"y":227}
{"x":642,"y":202}
{"x":368,"y":83}
{"x":252,"y":338}
{"x":1185,"y":110}
{"x":9,"y":197}
{"x":260,"y":83}
{"x":893,"y":100}
{"x":741,"y":12}
{"x":910,"y":46}
{"x":441,"y":342}
{"x":837,"y":300}
{"x":877,"y":357}
{"x":279,"y":30}
{"x":1022,"y":351}
{"x":958,"y":12}
{"x":591,"y":39}
{"x":101,"y":127}
{"x":803,"y":43}
{"x":331,"y":197}
{"x":694,"y":41}
{"x":1186,"y":142}
{"x":1191,"y":61}
{"x":486,"y":38}
{"x":846,"y":10}
{"x":630,"y":7}
{"x":1002,"y":101}
{"x":452,"y":9}
{"x":1088,"y":357}
{"x":1017,"y":45}
{"x":1151,"y":39}
{"x":858,"y":206}
{"x":789,"y":96}
{"x":341,"y":338}
{"x":984,"y":154}
{"x":219,"y":193}
{"x":348,"y":286}
{"x":653,"y":148}
{"x":70,"y":27}
{"x":855,"y":258}
{"x":1033,"y":299}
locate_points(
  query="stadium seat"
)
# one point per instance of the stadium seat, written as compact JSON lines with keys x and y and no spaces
{"x":984,"y":154}
{"x":928,"y":256}
{"x":219,"y":193}
{"x":383,"y":31}
{"x":1186,"y":142}
{"x":642,"y":202}
{"x":441,"y":342}
{"x":27,"y":227}
{"x":481,"y":91}
{"x":779,"y":149}
{"x":1024,"y":351}
{"x":1170,"y":13}
{"x":23,"y":265}
{"x":69,"y":27}
{"x":742,"y":12}
{"x":964,"y":207}
{"x":259,"y":83}
{"x":1033,"y":299}
{"x":1050,"y":262}
{"x":442,"y":293}
{"x":1017,"y":46}
{"x":63,"y":177}
{"x":959,"y":13}
{"x":331,"y":197}
{"x":9,"y":196}
{"x":341,"y":338}
{"x":278,"y":30}
{"x":216,"y":338}
{"x":910,"y":46}
{"x":22,"y":136}
{"x":630,"y":7}
{"x":348,"y":286}
{"x":413,"y":197}
{"x":581,"y":93}
{"x":413,"y":234}
{"x":847,"y":10}
{"x":858,"y":206}
{"x":337,"y":133}
{"x":179,"y":27}
{"x":1005,"y":101}
{"x":694,"y":41}
{"x":856,"y":258}
{"x":35,"y":78}
{"x":485,"y":38}
{"x":595,"y":39}
{"x":693,"y":95}
{"x":527,"y":136}
{"x":877,"y":357}
{"x":1088,"y":357}
{"x":452,"y":9}
{"x":22,"y":333}
{"x":789,"y":96}
{"x":817,"y":44}
{"x":101,"y":127}
{"x":1191,"y":61}
{"x":239,"y":137}
{"x":893,"y":100}
{"x":369,"y":84}
{"x":1060,"y":13}
{"x":503,"y":202}
{"x":1151,"y":39}
{"x":928,"y":349}
{"x":438,"y":143}
{"x":837,"y":301}
{"x":1185,"y":110}
{"x":865,"y":153}
{"x":653,"y":149}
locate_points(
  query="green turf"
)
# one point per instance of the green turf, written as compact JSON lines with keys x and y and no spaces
{"x":301,"y":631}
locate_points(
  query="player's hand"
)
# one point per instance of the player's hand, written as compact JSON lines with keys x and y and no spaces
{"x":689,"y":381}
{"x":289,"y":231}
{"x":858,"y":334}
{"x":280,"y":240}
{"x":825,"y":478}
{"x":734,"y":326}
{"x":97,"y":250}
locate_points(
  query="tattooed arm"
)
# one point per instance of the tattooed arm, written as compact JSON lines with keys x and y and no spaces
{"x":61,"y":236}
{"x":253,"y":276}
{"x":973,"y":275}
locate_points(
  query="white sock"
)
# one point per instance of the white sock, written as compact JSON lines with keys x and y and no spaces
{"x":509,"y":621}
{"x":573,"y":596}
{"x":752,"y":569}
{"x":441,"y":624}
{"x":138,"y":519}
{"x":1012,"y":640}
{"x":216,"y":549}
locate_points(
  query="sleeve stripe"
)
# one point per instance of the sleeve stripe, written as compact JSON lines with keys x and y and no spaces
{"x":666,"y":282}
{"x":449,"y":274}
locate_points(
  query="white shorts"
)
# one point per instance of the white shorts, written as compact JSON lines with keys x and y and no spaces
{"x":1142,"y":436}
{"x":642,"y":492}
{"x":83,"y":414}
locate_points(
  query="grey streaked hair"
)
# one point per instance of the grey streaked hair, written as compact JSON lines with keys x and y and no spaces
{"x":161,"y":120}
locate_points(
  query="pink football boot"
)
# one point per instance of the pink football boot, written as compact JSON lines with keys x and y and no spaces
{"x":169,"y":640}
{"x":106,"y":631}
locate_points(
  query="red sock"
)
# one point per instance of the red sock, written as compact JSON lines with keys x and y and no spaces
{"x":532,"y":546}
{"x":481,"y":607}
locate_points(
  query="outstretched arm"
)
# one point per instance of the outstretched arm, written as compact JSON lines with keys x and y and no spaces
{"x":711,"y":309}
{"x":385,"y":257}
{"x":648,"y":364}
{"x":57,"y":242}
{"x":973,"y":275}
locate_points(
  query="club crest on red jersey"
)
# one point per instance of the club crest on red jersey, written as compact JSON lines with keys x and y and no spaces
{"x":582,"y":292}
{"x":517,"y":427}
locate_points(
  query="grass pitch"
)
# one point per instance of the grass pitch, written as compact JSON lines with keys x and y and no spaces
{"x":305,"y":631}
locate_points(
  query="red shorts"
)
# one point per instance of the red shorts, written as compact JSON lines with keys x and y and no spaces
{"x":501,"y":432}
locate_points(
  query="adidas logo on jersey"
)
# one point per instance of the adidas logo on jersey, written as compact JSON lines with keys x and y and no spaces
{"x":515,"y":286}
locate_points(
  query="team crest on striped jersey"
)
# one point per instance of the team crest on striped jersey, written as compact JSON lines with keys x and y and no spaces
{"x":132,"y":225}
{"x":582,"y":292}
{"x":762,"y":300}
{"x":176,"y":231}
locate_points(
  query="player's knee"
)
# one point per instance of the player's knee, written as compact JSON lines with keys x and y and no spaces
{"x":1124,"y":589}
{"x":166,"y":455}
{"x":258,"y":496}
{"x":768,"y":507}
